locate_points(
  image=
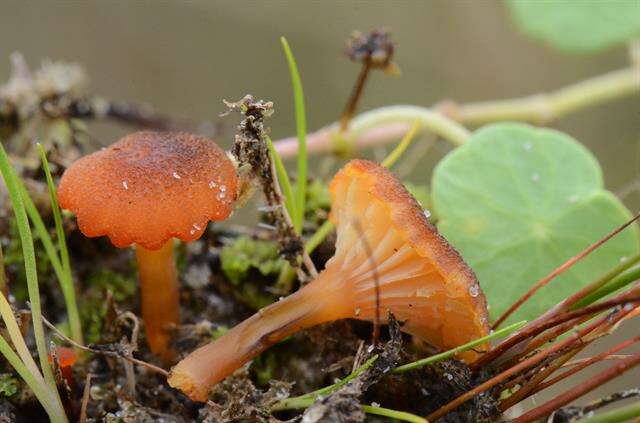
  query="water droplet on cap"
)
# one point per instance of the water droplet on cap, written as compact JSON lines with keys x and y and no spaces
{"x":474,"y":290}
{"x":175,"y":175}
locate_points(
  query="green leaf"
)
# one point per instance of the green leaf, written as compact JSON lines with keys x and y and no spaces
{"x":578,"y":26}
{"x":517,"y":202}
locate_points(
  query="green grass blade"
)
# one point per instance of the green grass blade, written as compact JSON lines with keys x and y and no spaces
{"x":393,"y":414}
{"x":450,"y":353}
{"x":304,"y":401}
{"x":66,"y":283}
{"x":28,"y":252}
{"x":42,"y":231}
{"x":16,"y":337}
{"x":616,"y":283}
{"x":397,"y":152}
{"x":39,"y":388}
{"x":622,"y":414}
{"x":3,"y":280}
{"x":283,"y":180}
{"x":301,"y":129}
{"x":319,"y":236}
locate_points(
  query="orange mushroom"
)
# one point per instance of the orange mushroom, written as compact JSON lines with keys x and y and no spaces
{"x":423,"y":281}
{"x":146,"y":189}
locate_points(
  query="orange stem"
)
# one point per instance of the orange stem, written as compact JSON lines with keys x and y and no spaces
{"x":208,"y":365}
{"x":160,"y":296}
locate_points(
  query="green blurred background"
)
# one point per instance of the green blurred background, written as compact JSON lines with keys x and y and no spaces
{"x":185,"y":57}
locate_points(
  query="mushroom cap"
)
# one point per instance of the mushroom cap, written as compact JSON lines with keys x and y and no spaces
{"x":149,"y":187}
{"x":383,"y":234}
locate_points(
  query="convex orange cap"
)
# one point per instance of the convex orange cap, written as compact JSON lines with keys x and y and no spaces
{"x":149,"y":187}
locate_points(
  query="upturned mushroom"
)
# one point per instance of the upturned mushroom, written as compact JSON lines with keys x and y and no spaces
{"x":382,"y":235}
{"x":144,"y":190}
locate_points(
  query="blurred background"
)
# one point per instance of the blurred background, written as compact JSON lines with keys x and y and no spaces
{"x":185,"y":57}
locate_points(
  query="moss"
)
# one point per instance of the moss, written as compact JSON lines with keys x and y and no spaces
{"x":8,"y":385}
{"x":318,"y":198}
{"x":245,"y":255}
{"x":93,"y":305}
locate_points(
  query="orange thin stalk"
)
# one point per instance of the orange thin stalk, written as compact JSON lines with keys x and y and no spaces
{"x":160,"y":297}
{"x":559,"y":270}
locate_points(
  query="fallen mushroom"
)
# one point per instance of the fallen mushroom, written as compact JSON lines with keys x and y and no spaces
{"x":146,"y":189}
{"x":384,"y":235}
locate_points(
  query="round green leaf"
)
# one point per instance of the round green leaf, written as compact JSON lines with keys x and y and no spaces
{"x":579,"y":26}
{"x":517,"y":202}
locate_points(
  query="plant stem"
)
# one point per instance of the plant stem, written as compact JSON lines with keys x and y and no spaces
{"x":402,"y":146}
{"x":450,"y":353}
{"x":535,"y":108}
{"x":68,"y":290}
{"x":316,"y":239}
{"x":304,"y":401}
{"x":283,"y":179}
{"x":429,"y":119}
{"x":621,"y":414}
{"x":301,"y":129}
{"x":17,"y":339}
{"x":393,"y":414}
{"x":28,"y":253}
{"x":620,"y":281}
{"x":3,"y":276}
{"x":541,"y":108}
{"x":36,"y":384}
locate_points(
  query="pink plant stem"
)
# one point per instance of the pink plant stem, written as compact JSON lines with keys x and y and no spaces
{"x":322,"y":141}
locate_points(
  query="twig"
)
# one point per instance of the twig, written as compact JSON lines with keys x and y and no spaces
{"x":85,"y":399}
{"x":538,"y":108}
{"x":109,"y":352}
{"x":579,"y":390}
{"x":251,"y":150}
{"x":559,"y":270}
{"x":129,"y":348}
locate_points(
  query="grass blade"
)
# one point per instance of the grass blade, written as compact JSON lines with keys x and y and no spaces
{"x":397,"y":152}
{"x":42,"y":232}
{"x":28,"y":252}
{"x":450,"y":353}
{"x":621,"y":414}
{"x":16,"y":337}
{"x":301,"y":129}
{"x":66,"y":283}
{"x":284,"y":181}
{"x":36,"y":385}
{"x":620,"y":281}
{"x":393,"y":414}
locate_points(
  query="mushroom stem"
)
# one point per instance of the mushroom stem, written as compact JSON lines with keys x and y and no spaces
{"x":160,"y":296}
{"x":210,"y":364}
